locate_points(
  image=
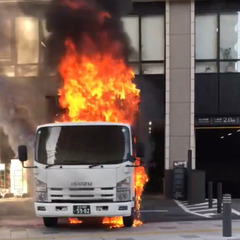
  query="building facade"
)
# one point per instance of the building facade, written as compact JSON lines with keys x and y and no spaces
{"x":186,"y":63}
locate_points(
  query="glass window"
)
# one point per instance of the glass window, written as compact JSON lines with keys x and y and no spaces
{"x":27,"y":38}
{"x":135,"y":67}
{"x":206,"y":67}
{"x":44,"y":36}
{"x":27,"y":70}
{"x":152,"y":38}
{"x":229,"y":36}
{"x":230,"y":66}
{"x":206,"y":36}
{"x":7,"y":71}
{"x":45,"y":32}
{"x":153,"y":68}
{"x":83,"y":144}
{"x":131,"y":27}
{"x":5,"y":39}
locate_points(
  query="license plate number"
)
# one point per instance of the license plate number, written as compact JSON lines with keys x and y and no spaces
{"x":83,"y":209}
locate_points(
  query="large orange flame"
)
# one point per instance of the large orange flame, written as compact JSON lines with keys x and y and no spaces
{"x":97,"y":86}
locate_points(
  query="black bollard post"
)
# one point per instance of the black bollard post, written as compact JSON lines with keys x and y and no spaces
{"x":210,"y":194}
{"x":219,"y":197}
{"x":227,"y":220}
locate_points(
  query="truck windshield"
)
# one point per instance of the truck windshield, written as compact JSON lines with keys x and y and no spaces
{"x":68,"y":145}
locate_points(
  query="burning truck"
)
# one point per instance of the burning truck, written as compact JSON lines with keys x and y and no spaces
{"x":84,"y":170}
{"x":85,"y":163}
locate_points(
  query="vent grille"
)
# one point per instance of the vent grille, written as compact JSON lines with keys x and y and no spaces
{"x":81,"y":189}
{"x":107,"y":188}
{"x":83,"y":201}
{"x":56,"y":189}
{"x":56,"y":196}
{"x":80,"y":196}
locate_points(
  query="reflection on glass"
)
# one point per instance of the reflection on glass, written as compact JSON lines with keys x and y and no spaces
{"x":229,"y":36}
{"x":206,"y":67}
{"x":5,"y":39}
{"x":83,"y":145}
{"x":135,"y":67}
{"x":152,"y":38}
{"x":27,"y":71}
{"x":153,"y":68}
{"x":230,"y":67}
{"x":27,"y":40}
{"x":131,"y":27}
{"x":206,"y":36}
{"x":7,"y":71}
{"x":46,"y":70}
{"x":46,"y":34}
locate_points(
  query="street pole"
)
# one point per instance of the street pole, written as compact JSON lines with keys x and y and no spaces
{"x":219,"y":197}
{"x":210,"y":194}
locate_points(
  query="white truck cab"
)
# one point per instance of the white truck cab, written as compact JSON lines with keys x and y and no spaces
{"x":83,"y":170}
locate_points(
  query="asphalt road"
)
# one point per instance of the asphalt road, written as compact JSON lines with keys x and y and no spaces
{"x":163,"y":219}
{"x":154,"y":208}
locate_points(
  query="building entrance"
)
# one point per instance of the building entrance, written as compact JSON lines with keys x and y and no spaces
{"x":218,"y":153}
{"x":150,"y":129}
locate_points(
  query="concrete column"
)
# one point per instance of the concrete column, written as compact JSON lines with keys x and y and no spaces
{"x":179,"y":122}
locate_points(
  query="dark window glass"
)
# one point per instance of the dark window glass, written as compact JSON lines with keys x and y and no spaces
{"x":82,"y":144}
{"x":5,"y":39}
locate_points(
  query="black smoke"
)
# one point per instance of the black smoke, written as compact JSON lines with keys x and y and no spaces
{"x":76,"y":19}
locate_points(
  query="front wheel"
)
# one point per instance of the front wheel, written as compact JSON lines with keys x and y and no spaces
{"x":128,"y":221}
{"x":50,"y":221}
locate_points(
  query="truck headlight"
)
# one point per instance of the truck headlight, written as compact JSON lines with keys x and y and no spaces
{"x":123,"y":190}
{"x":41,"y":191}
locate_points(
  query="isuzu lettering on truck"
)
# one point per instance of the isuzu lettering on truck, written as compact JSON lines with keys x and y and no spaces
{"x":83,"y":170}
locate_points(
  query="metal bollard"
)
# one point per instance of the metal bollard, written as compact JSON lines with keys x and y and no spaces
{"x":219,"y":198}
{"x":227,"y":220}
{"x":210,"y":194}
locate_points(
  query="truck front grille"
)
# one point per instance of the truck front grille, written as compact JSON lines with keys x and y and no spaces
{"x":82,"y":195}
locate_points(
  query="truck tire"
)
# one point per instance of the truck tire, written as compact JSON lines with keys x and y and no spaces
{"x":50,"y":221}
{"x":128,"y":221}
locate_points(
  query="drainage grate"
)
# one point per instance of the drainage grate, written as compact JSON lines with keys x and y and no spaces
{"x":189,"y":236}
{"x":125,"y":239}
{"x":185,"y":223}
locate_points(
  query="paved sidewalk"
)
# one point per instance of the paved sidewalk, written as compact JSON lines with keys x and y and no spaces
{"x":197,"y":230}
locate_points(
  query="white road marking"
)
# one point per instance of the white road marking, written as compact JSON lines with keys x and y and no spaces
{"x":202,"y":209}
{"x":236,"y":212}
{"x":200,"y":204}
{"x":207,"y":209}
{"x":188,"y":211}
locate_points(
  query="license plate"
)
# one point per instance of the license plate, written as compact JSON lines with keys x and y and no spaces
{"x":83,"y":209}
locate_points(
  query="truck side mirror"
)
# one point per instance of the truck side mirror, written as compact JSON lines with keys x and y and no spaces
{"x":140,"y":150}
{"x":22,"y":153}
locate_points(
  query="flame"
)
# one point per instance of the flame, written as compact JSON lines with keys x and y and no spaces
{"x":74,"y":221}
{"x":113,"y":222}
{"x":97,"y":86}
{"x":140,"y":179}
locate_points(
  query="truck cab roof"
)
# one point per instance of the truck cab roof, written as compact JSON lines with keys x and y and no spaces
{"x":83,"y":124}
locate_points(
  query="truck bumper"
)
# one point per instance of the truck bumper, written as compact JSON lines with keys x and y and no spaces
{"x":97,"y":209}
